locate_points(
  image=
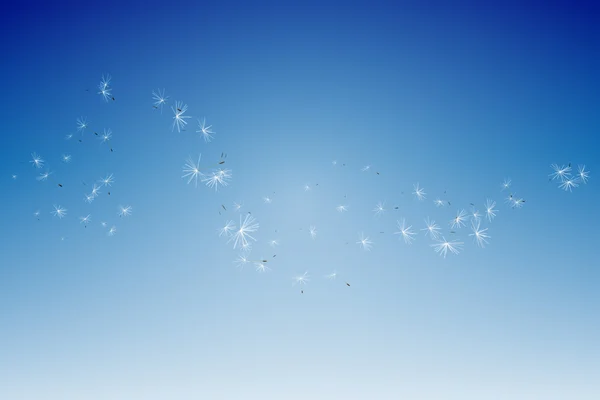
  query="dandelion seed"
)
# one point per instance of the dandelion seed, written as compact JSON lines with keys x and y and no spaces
{"x":105,"y":137}
{"x":44,"y":176}
{"x":459,"y":220}
{"x":364,"y":242}
{"x":237,"y":206}
{"x":205,"y":131}
{"x":419,"y":192}
{"x":306,"y":188}
{"x":85,"y":220}
{"x":82,"y":124}
{"x":301,"y":279}
{"x":334,"y":162}
{"x":475,"y":214}
{"x":261,"y":267}
{"x":366,"y":168}
{"x":439,"y":203}
{"x":267,"y":200}
{"x":405,"y":231}
{"x":341,"y":208}
{"x":432,"y":229}
{"x":95,"y":190}
{"x":379,"y":209}
{"x":36,"y":213}
{"x":192,"y":170}
{"x":112,"y":231}
{"x":159,"y":99}
{"x":227,"y":229}
{"x":479,"y":234}
{"x":506,"y":184}
{"x":89,"y":198}
{"x":583,"y":174}
{"x":36,"y":160}
{"x":490,"y":211}
{"x":125,"y":211}
{"x":179,"y":120}
{"x":443,"y":246}
{"x":220,"y":177}
{"x":108,"y":180}
{"x":561,"y":173}
{"x":14,"y":177}
{"x":68,"y":136}
{"x":569,"y":183}
{"x":66,"y":158}
{"x":241,"y":261}
{"x":273,"y":243}
{"x":59,"y":211}
{"x":103,"y":224}
{"x":241,"y":236}
{"x":313,"y":232}
{"x":333,"y":275}
{"x":104,"y":86}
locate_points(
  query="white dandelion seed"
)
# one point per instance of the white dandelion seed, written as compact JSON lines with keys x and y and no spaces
{"x":475,"y":214}
{"x":419,"y":192}
{"x":313,"y":231}
{"x":159,"y":99}
{"x":107,"y":181}
{"x":219,"y":177}
{"x":561,"y":173}
{"x":59,"y":211}
{"x":66,"y":158}
{"x":125,"y":211}
{"x":306,"y":188}
{"x":112,"y":231}
{"x":490,"y":211}
{"x":479,"y":234}
{"x":439,"y":203}
{"x":237,"y":206}
{"x":14,"y":176}
{"x":261,"y":266}
{"x":105,"y":137}
{"x":332,"y":275}
{"x":459,"y":220}
{"x":179,"y":120}
{"x":443,"y":246}
{"x":274,"y":243}
{"x":105,"y":89}
{"x":364,"y":242}
{"x":89,"y":198}
{"x":36,"y":213}
{"x":241,"y":236}
{"x":405,"y":231}
{"x":192,"y":170}
{"x":366,"y":168}
{"x":82,"y":124}
{"x":205,"y":131}
{"x":36,"y":160}
{"x":95,"y":190}
{"x":104,"y":224}
{"x":569,"y":183}
{"x":341,"y":208}
{"x":506,"y":184}
{"x":227,"y":229}
{"x":85,"y":220}
{"x":301,"y":279}
{"x":431,"y":229}
{"x":379,"y":209}
{"x":583,"y":175}
{"x":44,"y":176}
{"x":267,"y":200}
{"x":68,"y":136}
{"x":241,"y":261}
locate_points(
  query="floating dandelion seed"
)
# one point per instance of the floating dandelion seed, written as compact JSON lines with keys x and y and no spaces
{"x":419,"y":192}
{"x":306,"y":188}
{"x":159,"y":99}
{"x":105,"y":89}
{"x":66,"y":158}
{"x":241,"y":236}
{"x":301,"y":279}
{"x":44,"y":176}
{"x":439,"y":203}
{"x":241,"y":261}
{"x":459,"y":220}
{"x":219,"y":177}
{"x":36,"y":213}
{"x":59,"y":211}
{"x":68,"y":136}
{"x":108,"y":180}
{"x":583,"y":174}
{"x":475,"y":214}
{"x":569,"y":183}
{"x":124,"y":211}
{"x":237,"y":206}
{"x":86,"y":219}
{"x":561,"y":173}
{"x":332,"y":275}
{"x":405,"y":231}
{"x":261,"y":266}
{"x":490,"y":211}
{"x":14,"y":176}
{"x":192,"y":170}
{"x":205,"y":131}
{"x":364,"y":242}
{"x":95,"y":190}
{"x":506,"y":184}
{"x":379,"y":209}
{"x":274,"y":243}
{"x":313,"y":232}
{"x":179,"y":120}
{"x":36,"y":160}
{"x":479,"y":234}
{"x":431,"y":229}
{"x":227,"y":229}
{"x":341,"y":208}
{"x":334,"y":162}
{"x":267,"y":200}
{"x":112,"y":231}
{"x":105,"y":137}
{"x":89,"y":198}
{"x":443,"y":246}
{"x":82,"y":124}
{"x":103,"y":224}
{"x":366,"y":168}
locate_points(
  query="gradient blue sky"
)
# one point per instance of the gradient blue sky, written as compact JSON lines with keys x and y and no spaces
{"x":457,"y":98}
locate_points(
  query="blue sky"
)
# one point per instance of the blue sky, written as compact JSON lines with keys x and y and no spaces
{"x":456,"y":99}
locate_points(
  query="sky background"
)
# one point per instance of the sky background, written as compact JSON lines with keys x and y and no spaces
{"x":455,"y":98}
